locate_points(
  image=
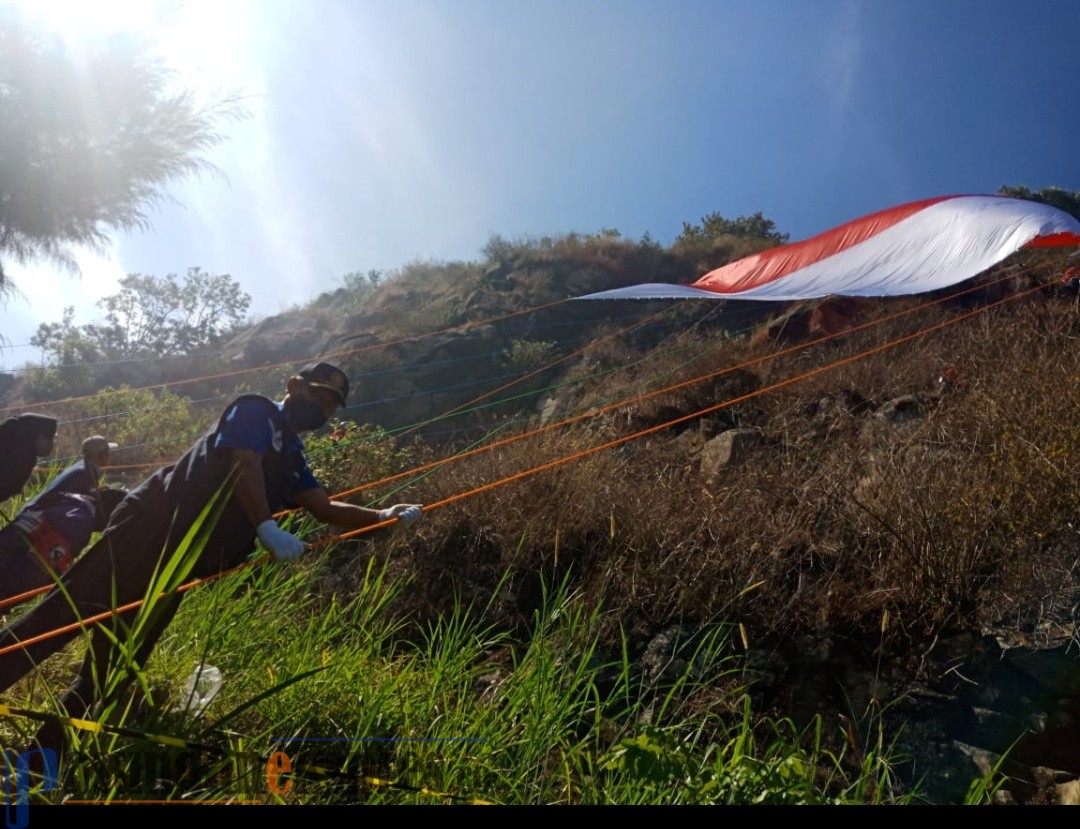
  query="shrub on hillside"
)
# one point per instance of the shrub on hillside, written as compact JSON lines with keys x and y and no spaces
{"x":527,"y":355}
{"x":963,"y":515}
{"x":354,"y":454}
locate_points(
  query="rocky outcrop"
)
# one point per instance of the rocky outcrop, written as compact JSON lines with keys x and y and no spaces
{"x":731,"y":447}
{"x":971,"y":707}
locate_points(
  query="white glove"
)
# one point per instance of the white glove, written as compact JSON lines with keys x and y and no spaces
{"x":284,"y":545}
{"x":405,"y":513}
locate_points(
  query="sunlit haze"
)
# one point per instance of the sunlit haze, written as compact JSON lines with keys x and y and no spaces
{"x":382,"y":132}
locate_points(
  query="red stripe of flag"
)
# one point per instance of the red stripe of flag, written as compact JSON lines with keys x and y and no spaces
{"x":772,"y":264}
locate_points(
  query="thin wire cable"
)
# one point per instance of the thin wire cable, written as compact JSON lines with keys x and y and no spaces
{"x":333,"y":539}
{"x":331,"y":355}
{"x":649,"y":395}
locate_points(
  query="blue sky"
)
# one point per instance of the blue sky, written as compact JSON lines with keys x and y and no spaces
{"x":385,"y":131}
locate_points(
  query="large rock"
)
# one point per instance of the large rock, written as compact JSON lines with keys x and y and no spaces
{"x":904,"y":409}
{"x":731,"y":447}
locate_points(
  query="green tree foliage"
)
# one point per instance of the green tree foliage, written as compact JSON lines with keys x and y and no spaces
{"x":717,"y":241}
{"x":360,"y":287}
{"x":150,"y":315}
{"x":90,"y":140}
{"x":715,"y":226}
{"x":165,"y":317}
{"x":354,"y":453}
{"x":148,"y":424}
{"x":362,"y":283}
{"x":1066,"y":200}
{"x":69,"y":357}
{"x":527,"y":355}
{"x":64,"y":343}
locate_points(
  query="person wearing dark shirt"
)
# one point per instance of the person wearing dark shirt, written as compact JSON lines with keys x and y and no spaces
{"x":23,"y":439}
{"x":83,"y":476}
{"x":46,"y":537}
{"x":254,"y":454}
{"x":50,"y":531}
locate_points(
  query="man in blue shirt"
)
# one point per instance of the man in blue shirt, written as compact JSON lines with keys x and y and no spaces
{"x":254,"y":456}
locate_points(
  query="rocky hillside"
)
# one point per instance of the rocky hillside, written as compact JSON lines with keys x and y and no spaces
{"x":879,"y":497}
{"x":882,"y":495}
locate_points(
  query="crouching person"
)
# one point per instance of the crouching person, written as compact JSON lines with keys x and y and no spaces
{"x":255,"y":456}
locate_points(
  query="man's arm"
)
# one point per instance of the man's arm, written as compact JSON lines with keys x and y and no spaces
{"x":338,"y":513}
{"x":250,"y":489}
{"x":350,"y":516}
{"x":250,"y":492}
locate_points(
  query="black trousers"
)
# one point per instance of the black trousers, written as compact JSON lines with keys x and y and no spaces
{"x":116,"y":570}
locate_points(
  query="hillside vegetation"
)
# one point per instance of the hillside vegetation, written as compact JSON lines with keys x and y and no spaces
{"x":796,"y":475}
{"x":867,"y":490}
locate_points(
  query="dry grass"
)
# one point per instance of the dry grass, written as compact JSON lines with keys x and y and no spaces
{"x":960,"y":518}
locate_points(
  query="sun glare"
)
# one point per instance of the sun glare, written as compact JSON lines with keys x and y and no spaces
{"x":206,"y":40}
{"x":81,"y":20}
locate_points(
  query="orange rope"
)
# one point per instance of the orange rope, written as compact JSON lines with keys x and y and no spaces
{"x":575,"y":456}
{"x":82,"y":623}
{"x":649,"y":395}
{"x":730,"y":402}
{"x":610,"y":407}
{"x":533,"y":373}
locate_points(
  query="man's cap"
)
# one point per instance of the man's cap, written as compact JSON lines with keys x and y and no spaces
{"x":326,"y":376}
{"x":95,"y":444}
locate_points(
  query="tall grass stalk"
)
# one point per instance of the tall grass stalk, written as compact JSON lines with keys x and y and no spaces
{"x":457,"y":708}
